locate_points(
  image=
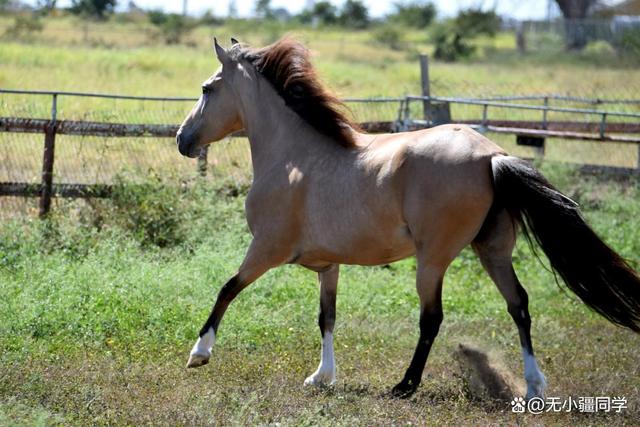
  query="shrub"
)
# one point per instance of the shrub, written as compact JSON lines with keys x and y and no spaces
{"x":95,"y":8}
{"x":389,"y":36}
{"x":172,"y":27}
{"x":354,"y":14}
{"x":152,"y":211}
{"x":24,"y":26}
{"x":630,"y":42}
{"x":473,"y":22}
{"x":416,"y":14}
{"x":450,"y":44}
{"x":322,"y":12}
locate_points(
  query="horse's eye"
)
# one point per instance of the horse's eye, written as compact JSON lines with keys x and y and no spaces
{"x":205,"y":90}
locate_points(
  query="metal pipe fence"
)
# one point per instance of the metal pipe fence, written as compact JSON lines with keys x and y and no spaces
{"x":90,"y":138}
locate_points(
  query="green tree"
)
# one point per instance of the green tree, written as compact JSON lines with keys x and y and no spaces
{"x":473,"y":22}
{"x":322,"y":12}
{"x":574,"y":12}
{"x":46,"y":6}
{"x":95,"y":8}
{"x":263,"y":9}
{"x":354,"y":14}
{"x":172,"y":26}
{"x":418,"y":14}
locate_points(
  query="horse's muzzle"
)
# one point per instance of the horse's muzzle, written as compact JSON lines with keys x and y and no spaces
{"x":186,"y":146}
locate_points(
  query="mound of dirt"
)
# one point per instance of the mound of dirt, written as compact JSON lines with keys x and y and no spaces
{"x":488,"y":379}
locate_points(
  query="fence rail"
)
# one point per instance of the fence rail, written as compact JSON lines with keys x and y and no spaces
{"x":521,"y":117}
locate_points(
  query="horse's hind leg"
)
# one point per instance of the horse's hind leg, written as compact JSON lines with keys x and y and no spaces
{"x":326,"y":372}
{"x":494,"y":246}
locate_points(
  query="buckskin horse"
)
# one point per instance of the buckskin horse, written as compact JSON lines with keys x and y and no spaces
{"x":325,"y":194}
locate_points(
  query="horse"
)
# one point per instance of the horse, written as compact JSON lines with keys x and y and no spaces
{"x":324,"y":194}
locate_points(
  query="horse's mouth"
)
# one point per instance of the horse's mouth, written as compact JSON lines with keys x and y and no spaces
{"x":187,"y":148}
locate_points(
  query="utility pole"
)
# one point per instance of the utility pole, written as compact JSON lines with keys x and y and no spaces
{"x":184,"y":7}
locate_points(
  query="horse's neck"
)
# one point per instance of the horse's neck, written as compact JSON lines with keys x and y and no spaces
{"x":277,"y":135}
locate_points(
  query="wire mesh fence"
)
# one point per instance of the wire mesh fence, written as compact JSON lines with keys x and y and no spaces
{"x":100,"y":159}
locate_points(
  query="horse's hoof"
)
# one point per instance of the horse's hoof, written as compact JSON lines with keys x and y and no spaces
{"x":403,"y":390}
{"x":320,"y":380}
{"x":197,"y":360}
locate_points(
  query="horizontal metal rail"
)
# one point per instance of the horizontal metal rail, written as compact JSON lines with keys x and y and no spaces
{"x":96,"y":95}
{"x":554,"y":97}
{"x":521,"y":106}
{"x":161,"y":98}
{"x":82,"y":128}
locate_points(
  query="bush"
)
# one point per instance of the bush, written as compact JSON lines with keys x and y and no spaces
{"x":473,"y":22}
{"x":414,"y":14}
{"x":173,"y":27}
{"x":354,"y":14}
{"x":630,"y":42}
{"x":152,"y":211}
{"x":451,"y":39}
{"x":450,"y":44}
{"x":323,"y":13}
{"x":389,"y":36}
{"x":24,"y":26}
{"x":95,"y":8}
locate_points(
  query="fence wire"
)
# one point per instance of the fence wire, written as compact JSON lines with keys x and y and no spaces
{"x":100,"y":160}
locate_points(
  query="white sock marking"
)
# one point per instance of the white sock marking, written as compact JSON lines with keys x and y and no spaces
{"x":536,"y":382}
{"x":204,"y":344}
{"x":326,"y":372}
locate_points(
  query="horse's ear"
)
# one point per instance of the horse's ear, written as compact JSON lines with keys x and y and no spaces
{"x":234,"y":41}
{"x":221,"y":53}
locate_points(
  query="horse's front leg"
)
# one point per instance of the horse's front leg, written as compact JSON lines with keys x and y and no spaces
{"x":326,"y":372}
{"x":429,"y":286}
{"x":258,"y":260}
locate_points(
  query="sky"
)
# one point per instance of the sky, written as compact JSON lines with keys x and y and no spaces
{"x":519,"y":9}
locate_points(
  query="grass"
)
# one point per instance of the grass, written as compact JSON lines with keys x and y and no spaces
{"x":96,"y":323}
{"x":96,"y":320}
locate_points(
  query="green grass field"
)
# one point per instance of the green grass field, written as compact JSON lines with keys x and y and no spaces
{"x":96,"y":323}
{"x":101,"y":303}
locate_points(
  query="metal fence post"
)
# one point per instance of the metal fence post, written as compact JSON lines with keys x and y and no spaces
{"x":202,"y":160}
{"x":426,"y":90}
{"x":47,"y":160}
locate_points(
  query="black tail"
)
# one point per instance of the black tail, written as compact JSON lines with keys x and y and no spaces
{"x":592,"y":270}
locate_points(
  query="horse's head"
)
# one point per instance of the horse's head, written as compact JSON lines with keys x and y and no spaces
{"x":216,"y":114}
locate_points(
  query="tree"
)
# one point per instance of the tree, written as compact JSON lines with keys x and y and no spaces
{"x":263,"y":9}
{"x":46,"y":6}
{"x":233,"y":9}
{"x":574,"y":12}
{"x":322,"y":12}
{"x":96,"y":8}
{"x":473,"y":22}
{"x":417,"y":14}
{"x":354,"y":14}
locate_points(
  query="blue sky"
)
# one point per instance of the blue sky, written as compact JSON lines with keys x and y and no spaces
{"x":524,"y":9}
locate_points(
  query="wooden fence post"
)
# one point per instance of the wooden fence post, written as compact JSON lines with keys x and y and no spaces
{"x":46,"y":189}
{"x":426,"y":90}
{"x":202,"y":160}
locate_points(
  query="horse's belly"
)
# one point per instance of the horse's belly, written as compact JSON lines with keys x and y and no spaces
{"x":362,"y":249}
